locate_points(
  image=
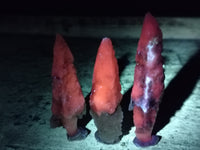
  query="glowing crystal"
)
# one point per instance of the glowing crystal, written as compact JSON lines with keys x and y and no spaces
{"x":148,"y":81}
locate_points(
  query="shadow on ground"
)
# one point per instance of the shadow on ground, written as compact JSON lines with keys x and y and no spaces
{"x":128,"y":115}
{"x":87,"y":117}
{"x":178,"y":91}
{"x":123,"y":62}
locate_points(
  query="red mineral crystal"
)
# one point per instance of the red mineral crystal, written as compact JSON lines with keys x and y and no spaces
{"x":148,"y":81}
{"x":105,"y":94}
{"x":67,"y":98}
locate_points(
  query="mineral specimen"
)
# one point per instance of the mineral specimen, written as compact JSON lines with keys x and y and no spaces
{"x":148,"y":82}
{"x":105,"y":95}
{"x":67,"y":98}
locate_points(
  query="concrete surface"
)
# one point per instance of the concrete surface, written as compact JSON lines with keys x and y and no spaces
{"x":114,"y":27}
{"x":25,"y":91}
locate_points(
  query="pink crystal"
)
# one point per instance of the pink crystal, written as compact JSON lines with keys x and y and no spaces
{"x":105,"y":93}
{"x":67,"y":98}
{"x":148,"y":79}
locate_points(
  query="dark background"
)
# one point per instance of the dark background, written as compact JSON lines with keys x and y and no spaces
{"x":100,"y":8}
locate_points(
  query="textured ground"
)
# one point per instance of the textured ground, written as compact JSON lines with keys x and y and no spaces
{"x":25,"y":93}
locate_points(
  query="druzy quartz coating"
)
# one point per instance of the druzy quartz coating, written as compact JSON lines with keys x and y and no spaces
{"x":148,"y":82}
